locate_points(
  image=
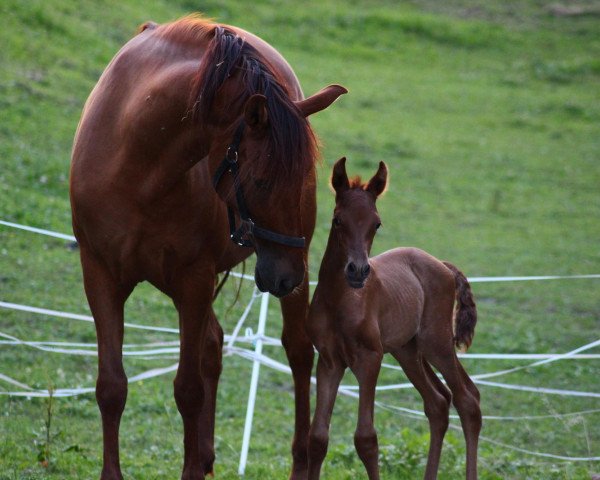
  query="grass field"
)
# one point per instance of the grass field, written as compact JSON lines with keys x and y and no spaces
{"x":488,"y":115}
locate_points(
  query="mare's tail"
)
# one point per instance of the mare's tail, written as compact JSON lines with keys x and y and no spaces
{"x":465,"y":313}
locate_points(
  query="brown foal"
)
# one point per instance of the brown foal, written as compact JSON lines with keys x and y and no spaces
{"x":401,"y":302}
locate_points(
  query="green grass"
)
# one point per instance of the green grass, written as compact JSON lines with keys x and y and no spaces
{"x":488,"y":116}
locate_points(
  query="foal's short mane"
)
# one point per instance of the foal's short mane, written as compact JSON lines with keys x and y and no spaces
{"x":292,"y":144}
{"x":356,"y":183}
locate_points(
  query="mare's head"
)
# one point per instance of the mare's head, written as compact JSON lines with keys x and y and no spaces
{"x":244,"y":103}
{"x":355,"y":219}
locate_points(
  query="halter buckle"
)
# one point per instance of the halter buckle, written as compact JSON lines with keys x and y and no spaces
{"x":243,"y":232}
{"x":232,"y":154}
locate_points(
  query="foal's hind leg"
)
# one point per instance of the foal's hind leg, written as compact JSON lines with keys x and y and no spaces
{"x":468,"y":382}
{"x":300,"y":354}
{"x":107,"y":297}
{"x":192,"y":296}
{"x":436,"y":403}
{"x":464,"y":398}
{"x":436,"y":382}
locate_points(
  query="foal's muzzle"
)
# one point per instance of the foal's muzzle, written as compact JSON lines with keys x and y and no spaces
{"x":356,"y":275}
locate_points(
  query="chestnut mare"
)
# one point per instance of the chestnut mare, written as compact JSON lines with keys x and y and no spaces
{"x":194,"y":133}
{"x":399,"y":302}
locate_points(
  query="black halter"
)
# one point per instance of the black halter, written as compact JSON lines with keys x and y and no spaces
{"x":248,"y":229}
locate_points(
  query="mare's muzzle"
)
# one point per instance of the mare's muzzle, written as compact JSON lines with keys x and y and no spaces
{"x":276,"y":274}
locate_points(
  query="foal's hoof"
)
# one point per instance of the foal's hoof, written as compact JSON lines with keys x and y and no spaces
{"x":111,"y":474}
{"x":299,"y":473}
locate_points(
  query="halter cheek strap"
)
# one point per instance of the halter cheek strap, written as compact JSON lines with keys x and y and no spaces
{"x":248,"y":230}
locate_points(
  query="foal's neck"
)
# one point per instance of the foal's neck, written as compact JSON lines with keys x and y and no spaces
{"x":333,"y":262}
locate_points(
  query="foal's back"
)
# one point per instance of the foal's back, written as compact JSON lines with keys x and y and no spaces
{"x":415,"y":295}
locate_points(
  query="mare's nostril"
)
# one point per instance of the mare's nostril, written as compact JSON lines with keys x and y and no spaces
{"x":366,"y":269}
{"x":351,"y":267}
{"x":285,"y":286}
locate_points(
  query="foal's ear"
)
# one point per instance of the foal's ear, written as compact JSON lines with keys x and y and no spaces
{"x":255,"y":111}
{"x":378,"y":183}
{"x":339,"y":178}
{"x":320,"y":100}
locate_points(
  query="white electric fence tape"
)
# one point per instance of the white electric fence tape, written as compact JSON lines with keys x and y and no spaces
{"x":258,"y":358}
{"x":250,"y":277}
{"x":48,"y":233}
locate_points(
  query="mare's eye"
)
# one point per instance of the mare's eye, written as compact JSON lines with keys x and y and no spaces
{"x":261,"y":184}
{"x":377,"y":225}
{"x":336,"y":222}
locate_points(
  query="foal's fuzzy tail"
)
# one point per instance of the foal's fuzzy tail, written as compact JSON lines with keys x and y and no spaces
{"x":465,"y":313}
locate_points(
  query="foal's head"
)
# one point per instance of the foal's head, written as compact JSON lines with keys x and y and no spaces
{"x":355,"y":219}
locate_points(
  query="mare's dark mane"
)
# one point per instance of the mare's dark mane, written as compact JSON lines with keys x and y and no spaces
{"x":292,"y":144}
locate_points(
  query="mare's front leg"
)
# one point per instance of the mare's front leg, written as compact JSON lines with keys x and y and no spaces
{"x":366,"y":366}
{"x":192,"y":295}
{"x":107,"y":297}
{"x":211,"y":371}
{"x":329,"y":375}
{"x":300,"y":354}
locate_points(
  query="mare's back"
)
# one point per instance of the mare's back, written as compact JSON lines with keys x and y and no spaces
{"x":140,"y":99}
{"x":132,"y":190}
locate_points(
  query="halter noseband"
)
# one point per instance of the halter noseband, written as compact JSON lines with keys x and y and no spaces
{"x":248,"y":229}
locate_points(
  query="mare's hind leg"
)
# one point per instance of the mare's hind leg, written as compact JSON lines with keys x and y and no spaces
{"x":300,"y":354}
{"x":192,"y":296}
{"x":463,"y":394}
{"x":107,"y":297}
{"x":436,"y":401}
{"x":211,"y":371}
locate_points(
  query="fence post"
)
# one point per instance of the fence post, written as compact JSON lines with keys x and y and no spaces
{"x":262,"y":320}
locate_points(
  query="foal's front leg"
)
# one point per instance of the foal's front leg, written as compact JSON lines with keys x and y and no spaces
{"x":366,"y":369}
{"x":329,"y":376}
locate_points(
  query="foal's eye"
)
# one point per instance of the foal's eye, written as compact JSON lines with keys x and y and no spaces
{"x":336,"y":222}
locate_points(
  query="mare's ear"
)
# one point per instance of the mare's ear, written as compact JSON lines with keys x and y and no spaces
{"x":378,"y":183}
{"x":339,"y":178}
{"x":255,"y":111}
{"x":320,"y":100}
